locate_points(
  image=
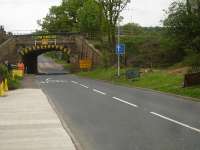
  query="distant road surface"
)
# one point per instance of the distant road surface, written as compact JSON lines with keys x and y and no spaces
{"x":103,"y":116}
{"x":48,"y":66}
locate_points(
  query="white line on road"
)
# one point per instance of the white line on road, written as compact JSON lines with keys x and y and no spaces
{"x":84,"y":86}
{"x":118,"y":99}
{"x":48,"y":79}
{"x":174,"y":121}
{"x":97,"y":91}
{"x":57,"y":81}
{"x":64,"y":81}
{"x":74,"y":82}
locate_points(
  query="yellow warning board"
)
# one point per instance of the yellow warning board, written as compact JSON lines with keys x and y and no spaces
{"x":45,"y":41}
{"x":85,"y":64}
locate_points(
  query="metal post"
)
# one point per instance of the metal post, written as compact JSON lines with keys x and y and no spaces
{"x":118,"y":64}
{"x":118,"y":41}
{"x":55,"y":41}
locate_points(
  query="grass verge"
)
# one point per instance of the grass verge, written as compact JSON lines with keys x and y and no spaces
{"x":158,"y":80}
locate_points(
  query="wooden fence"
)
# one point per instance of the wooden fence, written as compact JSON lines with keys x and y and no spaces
{"x":192,"y":79}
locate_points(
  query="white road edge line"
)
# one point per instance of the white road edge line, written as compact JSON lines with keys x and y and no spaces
{"x":97,"y":91}
{"x":74,"y":82}
{"x":84,"y":86}
{"x":118,"y":99}
{"x":174,"y":121}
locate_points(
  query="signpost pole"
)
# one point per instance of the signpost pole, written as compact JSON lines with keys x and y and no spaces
{"x":118,"y":68}
{"x":118,"y":41}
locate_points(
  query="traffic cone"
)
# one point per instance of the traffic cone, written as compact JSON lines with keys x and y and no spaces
{"x":2,"y":93}
{"x":5,"y":85}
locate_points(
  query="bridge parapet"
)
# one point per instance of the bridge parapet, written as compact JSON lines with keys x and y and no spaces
{"x":45,"y":40}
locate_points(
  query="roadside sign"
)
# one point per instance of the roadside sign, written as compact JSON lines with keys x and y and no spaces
{"x":85,"y":64}
{"x":45,"y":41}
{"x":120,"y":49}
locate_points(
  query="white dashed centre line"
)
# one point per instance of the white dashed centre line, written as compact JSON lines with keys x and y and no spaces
{"x":97,"y":91}
{"x":176,"y":122}
{"x":84,"y":86}
{"x":74,"y":82}
{"x":123,"y":101}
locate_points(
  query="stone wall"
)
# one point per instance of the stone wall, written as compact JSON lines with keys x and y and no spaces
{"x":2,"y":34}
{"x":8,"y":51}
{"x":88,"y":51}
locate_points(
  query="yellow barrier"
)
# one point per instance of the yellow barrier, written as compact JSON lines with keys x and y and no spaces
{"x":2,"y":92}
{"x":17,"y":73}
{"x":5,"y":85}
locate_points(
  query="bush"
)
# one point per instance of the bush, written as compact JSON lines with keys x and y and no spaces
{"x":13,"y":84}
{"x":192,"y":60}
{"x":4,"y":71}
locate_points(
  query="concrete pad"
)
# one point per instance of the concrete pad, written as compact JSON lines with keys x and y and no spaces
{"x":27,"y":122}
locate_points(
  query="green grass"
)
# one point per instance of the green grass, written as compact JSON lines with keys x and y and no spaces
{"x":157,"y":80}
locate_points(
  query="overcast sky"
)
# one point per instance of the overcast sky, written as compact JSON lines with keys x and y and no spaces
{"x":23,"y":14}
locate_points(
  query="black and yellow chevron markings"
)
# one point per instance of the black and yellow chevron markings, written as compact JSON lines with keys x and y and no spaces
{"x":27,"y":50}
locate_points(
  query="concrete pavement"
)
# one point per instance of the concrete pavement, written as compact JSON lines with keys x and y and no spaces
{"x":27,"y":122}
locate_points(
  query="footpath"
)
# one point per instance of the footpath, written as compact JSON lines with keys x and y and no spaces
{"x":27,"y":122}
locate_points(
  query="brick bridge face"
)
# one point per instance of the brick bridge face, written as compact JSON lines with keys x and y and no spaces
{"x":28,"y":47}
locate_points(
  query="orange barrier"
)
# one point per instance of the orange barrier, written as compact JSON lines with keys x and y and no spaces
{"x":20,"y":68}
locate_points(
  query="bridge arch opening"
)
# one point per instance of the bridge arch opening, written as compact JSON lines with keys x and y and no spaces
{"x":30,"y":55}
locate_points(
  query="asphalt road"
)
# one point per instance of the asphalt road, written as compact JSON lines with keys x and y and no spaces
{"x":103,"y":116}
{"x":48,"y":66}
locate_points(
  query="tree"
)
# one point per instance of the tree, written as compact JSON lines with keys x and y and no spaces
{"x":112,"y":10}
{"x":72,"y":8}
{"x":62,"y":18}
{"x":89,"y":17}
{"x":183,"y":24}
{"x":56,"y":21}
{"x":132,"y":29}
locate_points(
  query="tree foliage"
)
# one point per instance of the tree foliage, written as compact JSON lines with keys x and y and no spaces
{"x":89,"y":17}
{"x":183,"y":24}
{"x":62,"y":18}
{"x":112,"y":10}
{"x":132,"y":29}
{"x":56,"y":20}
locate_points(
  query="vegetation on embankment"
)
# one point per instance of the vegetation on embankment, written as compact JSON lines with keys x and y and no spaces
{"x":159,"y":80}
